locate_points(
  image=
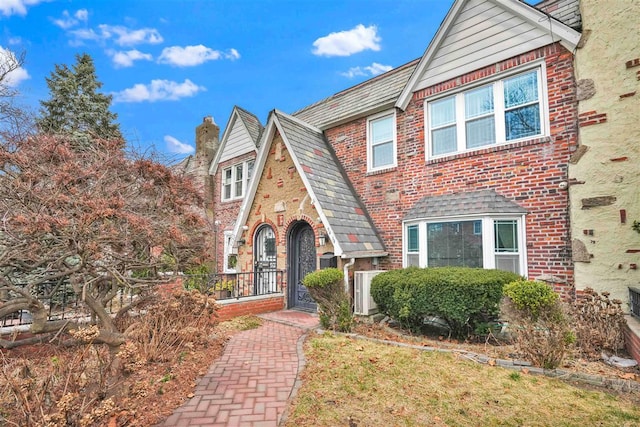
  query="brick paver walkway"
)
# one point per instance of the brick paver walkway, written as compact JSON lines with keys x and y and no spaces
{"x":253,"y":380}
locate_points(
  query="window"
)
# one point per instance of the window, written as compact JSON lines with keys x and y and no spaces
{"x":381,"y":141}
{"x":486,"y":242}
{"x":235,"y":180}
{"x":228,"y":253}
{"x":413,"y":246}
{"x":503,"y":111}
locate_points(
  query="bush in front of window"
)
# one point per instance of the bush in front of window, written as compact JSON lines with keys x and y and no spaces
{"x":466,"y":299}
{"x":327,"y":289}
{"x":539,"y":322}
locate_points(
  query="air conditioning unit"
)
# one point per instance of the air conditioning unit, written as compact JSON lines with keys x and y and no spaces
{"x":364,"y":305}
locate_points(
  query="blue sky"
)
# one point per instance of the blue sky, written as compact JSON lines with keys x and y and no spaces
{"x":170,"y":63}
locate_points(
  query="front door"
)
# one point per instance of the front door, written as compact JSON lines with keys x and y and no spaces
{"x":265,"y":261}
{"x":302,"y":260}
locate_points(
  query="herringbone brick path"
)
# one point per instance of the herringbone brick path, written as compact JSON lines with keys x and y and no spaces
{"x":252,"y":381}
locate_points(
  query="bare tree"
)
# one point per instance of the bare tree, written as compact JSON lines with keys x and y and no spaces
{"x":101,"y":220}
{"x":15,"y":120}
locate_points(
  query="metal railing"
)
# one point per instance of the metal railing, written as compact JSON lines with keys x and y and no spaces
{"x":634,"y":301}
{"x":226,"y":286}
{"x":61,"y":303}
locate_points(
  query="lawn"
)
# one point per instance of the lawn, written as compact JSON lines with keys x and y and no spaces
{"x":349,"y":382}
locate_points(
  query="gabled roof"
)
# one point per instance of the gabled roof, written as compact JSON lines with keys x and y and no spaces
{"x":374,"y":95}
{"x":463,"y":204}
{"x":245,"y":122}
{"x":349,"y":227}
{"x":478,"y":33}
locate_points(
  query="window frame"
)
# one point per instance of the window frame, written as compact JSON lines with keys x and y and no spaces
{"x":233,"y":183}
{"x":228,"y":250}
{"x":370,"y":144}
{"x":489,"y":251}
{"x":498,"y":114}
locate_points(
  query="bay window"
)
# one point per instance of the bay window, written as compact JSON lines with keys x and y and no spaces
{"x":483,"y":241}
{"x":505,"y":110}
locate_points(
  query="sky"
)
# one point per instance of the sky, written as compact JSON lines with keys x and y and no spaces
{"x":169,"y":63}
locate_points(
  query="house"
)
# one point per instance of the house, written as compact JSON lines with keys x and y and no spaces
{"x":457,"y":158}
{"x":604,"y":175}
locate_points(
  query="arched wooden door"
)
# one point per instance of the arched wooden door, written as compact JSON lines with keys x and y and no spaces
{"x":302,"y":261}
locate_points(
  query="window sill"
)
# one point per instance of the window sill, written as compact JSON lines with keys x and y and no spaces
{"x":381,"y":171}
{"x":489,"y":149}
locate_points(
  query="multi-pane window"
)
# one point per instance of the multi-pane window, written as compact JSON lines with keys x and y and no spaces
{"x":413,"y":246}
{"x":381,"y":141}
{"x":484,"y":242}
{"x":503,"y":111}
{"x":235,"y":180}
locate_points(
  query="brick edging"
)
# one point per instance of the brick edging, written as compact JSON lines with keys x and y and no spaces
{"x":302,"y":361}
{"x":617,"y":384}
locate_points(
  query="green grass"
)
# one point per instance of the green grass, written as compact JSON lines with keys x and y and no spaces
{"x":368,"y":384}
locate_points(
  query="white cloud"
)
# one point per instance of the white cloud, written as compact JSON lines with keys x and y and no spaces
{"x":345,"y":43}
{"x":370,"y":70}
{"x":67,"y":21}
{"x":16,"y":7}
{"x":177,"y":147}
{"x":121,"y":35}
{"x":122,"y":59}
{"x":158,"y":90}
{"x":15,"y":40}
{"x":15,"y":77}
{"x":190,"y":56}
{"x":127,"y":37}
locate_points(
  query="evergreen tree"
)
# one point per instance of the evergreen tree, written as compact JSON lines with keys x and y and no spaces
{"x":75,"y":105}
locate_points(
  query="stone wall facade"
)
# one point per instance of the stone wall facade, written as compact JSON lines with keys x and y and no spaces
{"x":281,"y":200}
{"x":605,"y":177}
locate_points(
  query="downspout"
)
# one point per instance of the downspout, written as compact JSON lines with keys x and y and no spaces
{"x":345,"y":270}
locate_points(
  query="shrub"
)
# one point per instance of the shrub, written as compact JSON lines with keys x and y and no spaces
{"x":327,"y":289}
{"x":599,"y":323}
{"x":531,"y":296}
{"x":539,"y":321}
{"x":463,"y":297}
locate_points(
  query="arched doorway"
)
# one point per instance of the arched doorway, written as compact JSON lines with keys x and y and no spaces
{"x":264,"y":247}
{"x":302,"y":260}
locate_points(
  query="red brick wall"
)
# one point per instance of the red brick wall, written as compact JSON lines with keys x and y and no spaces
{"x":244,"y":308}
{"x":528,"y":173}
{"x":225,"y":212}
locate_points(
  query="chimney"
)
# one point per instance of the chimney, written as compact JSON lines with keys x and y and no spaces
{"x":207,"y":139}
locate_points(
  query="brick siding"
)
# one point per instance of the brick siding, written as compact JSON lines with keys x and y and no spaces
{"x":528,"y":172}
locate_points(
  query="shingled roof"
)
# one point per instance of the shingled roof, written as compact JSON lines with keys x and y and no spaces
{"x":371,"y":96}
{"x":252,"y":123}
{"x":460,"y":204}
{"x":351,"y":230}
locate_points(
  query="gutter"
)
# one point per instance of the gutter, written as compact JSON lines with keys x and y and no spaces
{"x":345,"y":270}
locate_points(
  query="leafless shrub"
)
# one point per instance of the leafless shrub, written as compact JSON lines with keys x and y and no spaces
{"x":599,"y":324}
{"x":171,"y":322}
{"x":544,"y":339}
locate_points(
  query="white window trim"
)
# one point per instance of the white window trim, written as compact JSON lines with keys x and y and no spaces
{"x":370,"y":167}
{"x":488,"y":238}
{"x":245,"y":181}
{"x":496,"y":81}
{"x":228,"y":250}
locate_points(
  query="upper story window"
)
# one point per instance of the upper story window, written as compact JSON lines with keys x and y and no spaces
{"x":500,"y":112}
{"x":235,"y":180}
{"x":381,"y":141}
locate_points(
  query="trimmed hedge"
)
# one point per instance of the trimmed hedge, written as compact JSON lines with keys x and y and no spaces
{"x":327,"y":289}
{"x":465,"y":298}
